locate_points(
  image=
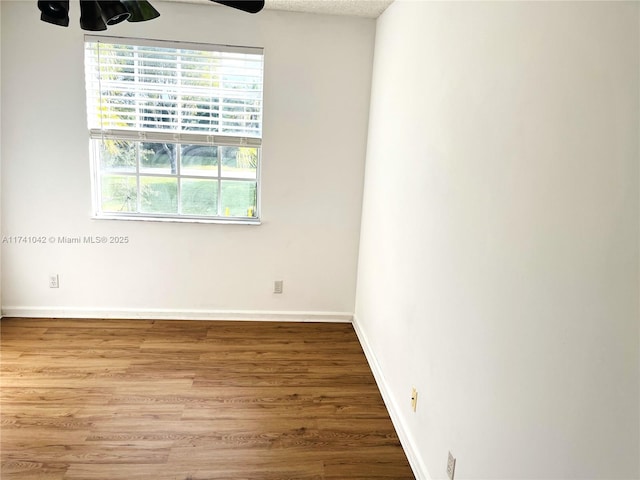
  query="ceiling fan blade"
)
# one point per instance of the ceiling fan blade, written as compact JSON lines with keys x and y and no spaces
{"x":249,"y":6}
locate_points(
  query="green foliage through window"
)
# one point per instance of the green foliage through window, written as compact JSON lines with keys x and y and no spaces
{"x":178,"y":180}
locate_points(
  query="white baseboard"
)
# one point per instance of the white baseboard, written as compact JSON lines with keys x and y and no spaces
{"x":176,"y":314}
{"x":410,"y":449}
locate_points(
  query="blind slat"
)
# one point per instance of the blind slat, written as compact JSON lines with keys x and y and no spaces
{"x":124,"y":42}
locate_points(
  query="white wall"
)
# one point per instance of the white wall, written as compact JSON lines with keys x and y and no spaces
{"x":499,"y":245}
{"x":317,"y":86}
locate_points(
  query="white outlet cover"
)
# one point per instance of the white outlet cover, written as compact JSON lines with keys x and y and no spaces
{"x":451,"y":466}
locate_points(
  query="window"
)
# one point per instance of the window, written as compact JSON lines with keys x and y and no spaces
{"x":175,"y":129}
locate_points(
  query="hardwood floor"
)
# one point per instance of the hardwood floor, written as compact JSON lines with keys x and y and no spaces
{"x":181,"y":400}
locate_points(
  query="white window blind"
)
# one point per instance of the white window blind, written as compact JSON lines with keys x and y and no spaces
{"x":167,"y":91}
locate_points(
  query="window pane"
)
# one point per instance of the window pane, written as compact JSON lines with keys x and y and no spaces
{"x":199,"y":160}
{"x":117,"y":155}
{"x":199,"y":197}
{"x":238,"y":199}
{"x":119,"y":193}
{"x":158,"y":157}
{"x":158,"y":195}
{"x":239,"y":162}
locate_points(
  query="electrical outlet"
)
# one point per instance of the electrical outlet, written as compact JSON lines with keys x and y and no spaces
{"x":278,"y":286}
{"x":414,"y":399}
{"x":54,"y":281}
{"x":451,"y":466}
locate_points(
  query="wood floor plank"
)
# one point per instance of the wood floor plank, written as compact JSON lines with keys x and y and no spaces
{"x":27,"y":470}
{"x":234,"y":471}
{"x":179,"y":400}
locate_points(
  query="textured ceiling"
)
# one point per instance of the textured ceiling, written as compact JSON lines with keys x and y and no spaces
{"x":359,"y":8}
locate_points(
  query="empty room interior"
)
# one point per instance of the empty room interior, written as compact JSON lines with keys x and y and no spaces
{"x":323,"y":239}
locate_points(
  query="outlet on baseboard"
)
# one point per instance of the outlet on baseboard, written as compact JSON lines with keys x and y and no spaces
{"x":54,"y":281}
{"x":451,"y":466}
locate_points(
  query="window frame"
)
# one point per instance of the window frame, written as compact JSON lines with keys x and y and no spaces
{"x":180,"y":139}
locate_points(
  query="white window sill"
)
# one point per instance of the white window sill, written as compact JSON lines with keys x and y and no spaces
{"x":223,"y":221}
